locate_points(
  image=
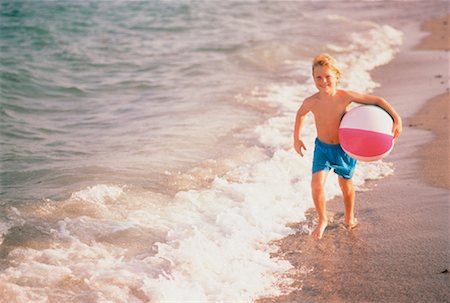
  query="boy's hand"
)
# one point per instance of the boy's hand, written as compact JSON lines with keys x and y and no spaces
{"x":397,"y":128}
{"x":299,"y":145}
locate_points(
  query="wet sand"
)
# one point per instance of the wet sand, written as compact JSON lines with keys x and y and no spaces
{"x":400,"y":251}
{"x":438,"y":38}
{"x":435,"y":117}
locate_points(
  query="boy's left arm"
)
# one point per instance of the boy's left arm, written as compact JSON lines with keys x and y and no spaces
{"x":375,"y":100}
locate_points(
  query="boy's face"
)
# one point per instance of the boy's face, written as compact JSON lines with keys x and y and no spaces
{"x":325,"y":79}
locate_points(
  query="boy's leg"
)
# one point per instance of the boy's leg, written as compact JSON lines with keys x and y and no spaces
{"x":348,"y":193}
{"x":318,"y":194}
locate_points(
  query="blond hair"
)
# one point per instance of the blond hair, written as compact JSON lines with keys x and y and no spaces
{"x":326,"y":60}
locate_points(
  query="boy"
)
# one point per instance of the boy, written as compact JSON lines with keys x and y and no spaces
{"x":328,"y":107}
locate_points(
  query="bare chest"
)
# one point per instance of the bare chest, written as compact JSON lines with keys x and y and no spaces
{"x":329,"y":115}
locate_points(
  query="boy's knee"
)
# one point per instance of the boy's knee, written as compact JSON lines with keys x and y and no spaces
{"x":348,"y":191}
{"x":316,"y":185}
{"x":347,"y":187}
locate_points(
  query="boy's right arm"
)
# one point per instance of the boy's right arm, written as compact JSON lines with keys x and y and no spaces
{"x":299,"y":121}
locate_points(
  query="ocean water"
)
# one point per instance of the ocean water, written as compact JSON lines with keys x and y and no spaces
{"x":146,"y":146}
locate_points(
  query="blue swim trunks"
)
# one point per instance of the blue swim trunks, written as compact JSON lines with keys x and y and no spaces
{"x":332,"y":156}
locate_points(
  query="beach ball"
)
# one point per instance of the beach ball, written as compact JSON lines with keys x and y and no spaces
{"x":365,"y":133}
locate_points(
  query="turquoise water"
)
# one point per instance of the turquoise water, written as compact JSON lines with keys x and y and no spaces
{"x":115,"y":90}
{"x":146,"y":145}
{"x":98,"y":88}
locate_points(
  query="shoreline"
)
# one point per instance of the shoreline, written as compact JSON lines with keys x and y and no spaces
{"x":434,"y":117}
{"x":400,"y":250}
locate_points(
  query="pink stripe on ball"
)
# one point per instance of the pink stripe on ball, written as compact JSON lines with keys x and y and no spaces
{"x":365,"y":143}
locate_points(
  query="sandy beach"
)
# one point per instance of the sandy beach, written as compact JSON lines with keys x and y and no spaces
{"x":434,"y":117}
{"x":400,"y":251}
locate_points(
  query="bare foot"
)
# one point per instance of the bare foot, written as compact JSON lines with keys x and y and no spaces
{"x":318,"y":232}
{"x":352,"y":224}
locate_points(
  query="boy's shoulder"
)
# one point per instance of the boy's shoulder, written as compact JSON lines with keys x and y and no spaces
{"x":348,"y":93}
{"x":343,"y":92}
{"x":345,"y":96}
{"x":309,"y":102}
{"x":311,"y":98}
